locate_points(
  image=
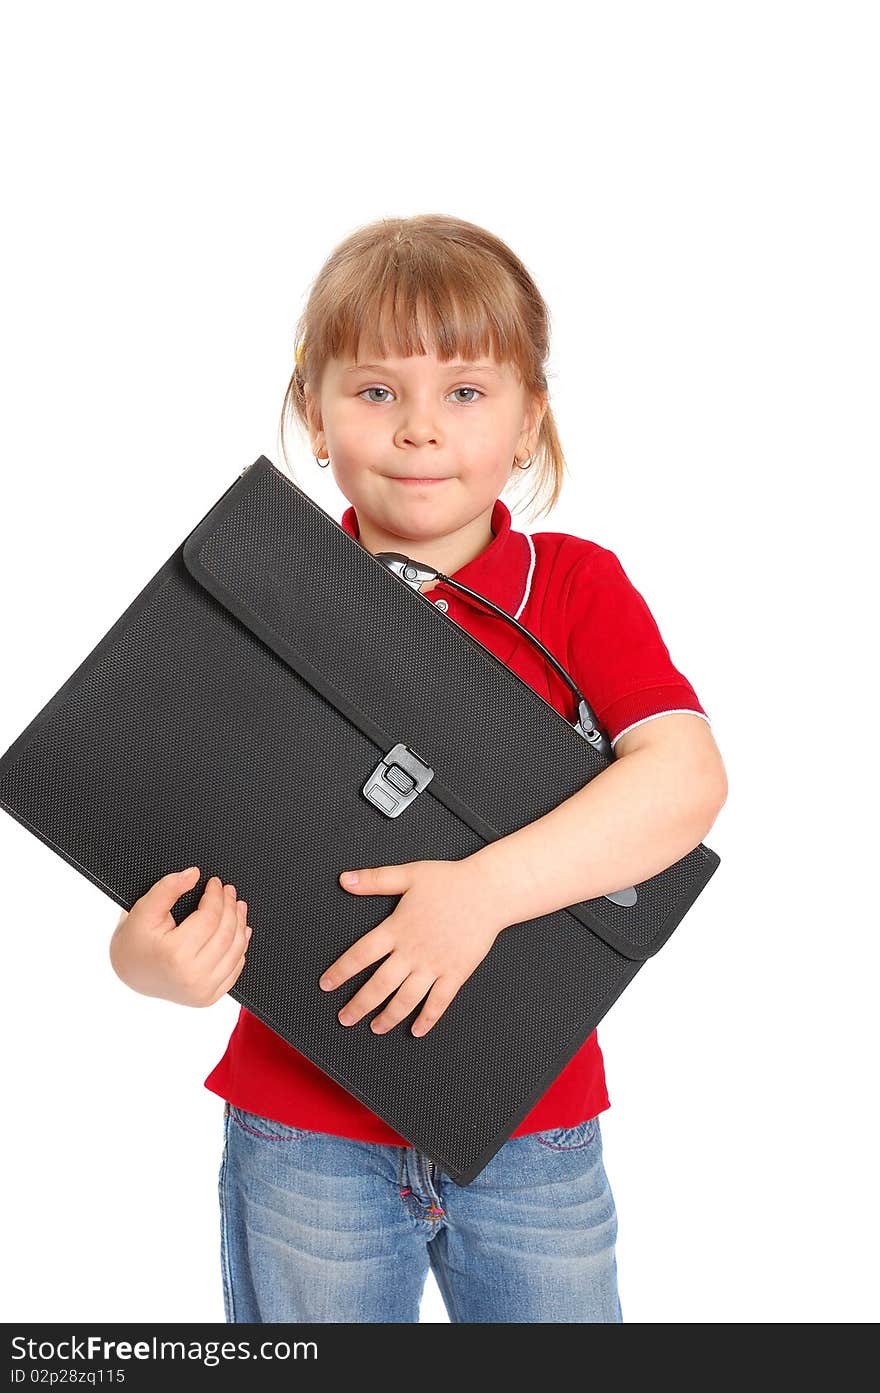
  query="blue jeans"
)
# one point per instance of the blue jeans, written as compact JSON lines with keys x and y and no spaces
{"x":316,"y":1227}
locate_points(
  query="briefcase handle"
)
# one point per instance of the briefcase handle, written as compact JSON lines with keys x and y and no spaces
{"x":415,"y":573}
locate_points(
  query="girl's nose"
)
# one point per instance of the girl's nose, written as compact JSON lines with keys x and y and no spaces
{"x":418,"y":427}
{"x":410,"y":436}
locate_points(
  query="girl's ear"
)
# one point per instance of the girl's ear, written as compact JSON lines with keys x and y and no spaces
{"x":534,"y":417}
{"x":316,"y":424}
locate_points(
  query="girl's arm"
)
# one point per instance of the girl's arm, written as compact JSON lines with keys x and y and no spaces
{"x":645,"y":811}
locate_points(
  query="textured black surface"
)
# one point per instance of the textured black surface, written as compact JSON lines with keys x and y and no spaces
{"x":230,"y":719}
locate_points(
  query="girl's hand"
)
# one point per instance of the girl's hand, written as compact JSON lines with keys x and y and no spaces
{"x":439,"y":932}
{"x":194,"y":962}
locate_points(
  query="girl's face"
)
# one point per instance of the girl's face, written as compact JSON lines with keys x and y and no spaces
{"x":421,"y":448}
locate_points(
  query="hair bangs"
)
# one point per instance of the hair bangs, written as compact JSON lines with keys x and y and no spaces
{"x":405,"y":313}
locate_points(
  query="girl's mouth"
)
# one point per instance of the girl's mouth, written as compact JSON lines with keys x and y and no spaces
{"x":415,"y":482}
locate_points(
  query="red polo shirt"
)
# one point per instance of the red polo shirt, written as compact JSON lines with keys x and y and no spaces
{"x":575,"y":596}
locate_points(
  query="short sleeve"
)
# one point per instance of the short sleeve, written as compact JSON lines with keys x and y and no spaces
{"x":616,"y":653}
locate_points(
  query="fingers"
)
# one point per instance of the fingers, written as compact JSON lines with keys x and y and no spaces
{"x":410,"y":994}
{"x":198,"y":929}
{"x":228,"y":981}
{"x":366,"y":950}
{"x":384,"y":980}
{"x":443,"y":993}
{"x":225,"y":921}
{"x":233,"y":958}
{"x":161,"y":897}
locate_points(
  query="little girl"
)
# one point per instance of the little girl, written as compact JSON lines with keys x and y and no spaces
{"x":419,"y":377}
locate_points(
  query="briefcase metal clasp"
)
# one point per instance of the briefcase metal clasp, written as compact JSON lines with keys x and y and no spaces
{"x":397,"y":779}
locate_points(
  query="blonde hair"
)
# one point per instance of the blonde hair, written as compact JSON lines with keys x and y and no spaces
{"x":429,"y":280}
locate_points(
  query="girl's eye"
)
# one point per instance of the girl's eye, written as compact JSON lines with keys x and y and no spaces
{"x":457,"y":389}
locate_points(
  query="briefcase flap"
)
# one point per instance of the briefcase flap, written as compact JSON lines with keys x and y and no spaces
{"x":403,"y":672}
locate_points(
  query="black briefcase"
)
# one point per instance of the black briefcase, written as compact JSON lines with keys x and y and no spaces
{"x":277,"y":705}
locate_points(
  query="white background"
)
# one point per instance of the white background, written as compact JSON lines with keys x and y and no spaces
{"x":694,"y":189}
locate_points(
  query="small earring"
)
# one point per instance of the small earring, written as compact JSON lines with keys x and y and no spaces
{"x":527,"y":465}
{"x":325,"y":463}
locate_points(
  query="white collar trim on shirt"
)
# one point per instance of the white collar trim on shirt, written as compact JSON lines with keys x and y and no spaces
{"x":531,"y":572}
